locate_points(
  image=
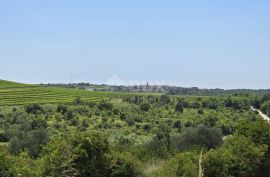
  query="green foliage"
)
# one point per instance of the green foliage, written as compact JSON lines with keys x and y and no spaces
{"x":31,"y":141}
{"x":200,"y":111}
{"x":259,"y":133}
{"x":161,"y":144}
{"x":59,"y":159}
{"x":239,"y":157}
{"x":178,"y":125}
{"x":105,"y":106}
{"x":144,"y":107}
{"x":23,"y":164}
{"x":266,"y":107}
{"x":77,"y":101}
{"x":182,"y":165}
{"x":237,"y":103}
{"x":141,"y":129}
{"x":179,"y":107}
{"x":70,"y":114}
{"x":164,"y":99}
{"x":62,"y":108}
{"x":34,"y":109}
{"x":6,"y":162}
{"x":91,"y":151}
{"x":125,"y":165}
{"x":200,"y":136}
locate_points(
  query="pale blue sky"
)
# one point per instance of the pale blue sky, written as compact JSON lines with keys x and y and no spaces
{"x":204,"y":43}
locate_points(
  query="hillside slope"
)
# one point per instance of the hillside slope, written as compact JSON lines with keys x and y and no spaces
{"x":4,"y":84}
{"x":12,"y":93}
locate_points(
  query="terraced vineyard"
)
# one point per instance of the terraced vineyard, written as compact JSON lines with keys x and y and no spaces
{"x":12,"y":93}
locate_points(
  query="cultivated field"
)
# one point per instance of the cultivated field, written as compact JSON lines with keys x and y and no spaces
{"x":12,"y":93}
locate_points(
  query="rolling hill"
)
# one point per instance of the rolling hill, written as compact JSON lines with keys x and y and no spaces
{"x":13,"y":93}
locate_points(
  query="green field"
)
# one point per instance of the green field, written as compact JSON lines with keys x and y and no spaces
{"x":4,"y":84}
{"x":12,"y":93}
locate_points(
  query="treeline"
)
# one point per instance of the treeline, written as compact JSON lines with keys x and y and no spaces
{"x":172,"y":90}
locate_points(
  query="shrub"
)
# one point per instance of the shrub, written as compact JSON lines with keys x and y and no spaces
{"x":77,"y":101}
{"x":179,"y":107}
{"x":6,"y":162}
{"x":60,"y":159}
{"x":105,"y":106}
{"x":200,"y":111}
{"x":200,"y":136}
{"x":125,"y":165}
{"x":266,"y":108}
{"x":183,"y":164}
{"x":91,"y":151}
{"x":74,"y":121}
{"x":31,"y":141}
{"x":70,"y":114}
{"x":164,"y":99}
{"x":3,"y":136}
{"x":178,"y":124}
{"x":34,"y":109}
{"x":115,"y":111}
{"x":62,"y":108}
{"x":238,"y":157}
{"x":145,"y":107}
{"x":161,"y":145}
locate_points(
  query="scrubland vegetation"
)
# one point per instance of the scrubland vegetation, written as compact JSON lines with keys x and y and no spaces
{"x":60,"y":132}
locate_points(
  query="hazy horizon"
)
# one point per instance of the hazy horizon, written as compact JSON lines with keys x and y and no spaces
{"x":205,"y":44}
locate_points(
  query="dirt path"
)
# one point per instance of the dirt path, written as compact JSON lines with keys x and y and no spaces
{"x":264,"y":116}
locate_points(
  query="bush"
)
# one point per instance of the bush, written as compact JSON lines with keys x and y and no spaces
{"x":34,"y":109}
{"x":238,"y":157}
{"x":91,"y":151}
{"x":3,"y":136}
{"x":6,"y":162}
{"x":145,"y":107}
{"x":85,"y":123}
{"x":70,"y":114}
{"x":125,"y":165}
{"x":200,"y":136}
{"x":74,"y":121}
{"x":77,"y":101}
{"x":200,"y":111}
{"x":60,"y":159}
{"x":91,"y":104}
{"x":62,"y":108}
{"x":164,"y":99}
{"x":179,"y":107}
{"x":105,"y":106}
{"x":161,"y":144}
{"x":115,"y":111}
{"x":266,"y":108}
{"x":182,"y":165}
{"x":39,"y":123}
{"x":31,"y":141}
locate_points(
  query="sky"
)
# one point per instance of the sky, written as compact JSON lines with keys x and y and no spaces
{"x":202,"y":43}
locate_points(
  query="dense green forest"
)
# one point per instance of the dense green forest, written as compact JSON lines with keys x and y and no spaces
{"x":101,"y":134}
